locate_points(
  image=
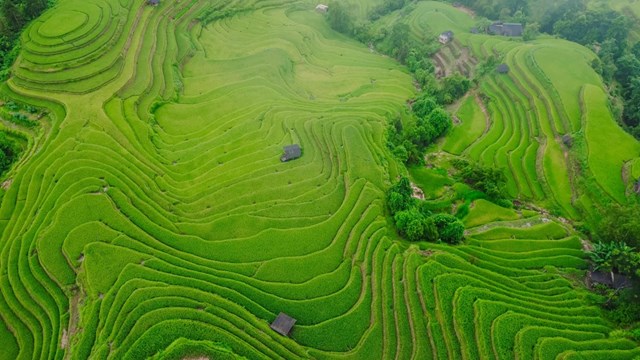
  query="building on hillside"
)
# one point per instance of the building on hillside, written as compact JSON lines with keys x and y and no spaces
{"x":495,"y":28}
{"x":614,"y":281}
{"x":475,"y":30}
{"x":322,"y":8}
{"x":445,"y":37}
{"x":512,"y":29}
{"x":153,"y":2}
{"x":506,"y":29}
{"x":283,"y":324}
{"x":291,"y":152}
{"x":636,"y":187}
{"x":503,"y":69}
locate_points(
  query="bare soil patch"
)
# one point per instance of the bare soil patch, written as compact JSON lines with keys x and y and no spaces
{"x":417,"y":192}
{"x":466,"y":10}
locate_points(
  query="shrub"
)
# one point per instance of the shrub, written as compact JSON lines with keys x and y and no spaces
{"x":624,"y":309}
{"x":399,"y":196}
{"x":414,"y":220}
{"x":424,"y":105}
{"x":490,"y":181}
{"x":615,"y":257}
{"x":339,"y":18}
{"x":9,"y":152}
{"x":620,"y":223}
{"x":411,"y":223}
{"x":450,"y":229}
{"x":453,"y":88}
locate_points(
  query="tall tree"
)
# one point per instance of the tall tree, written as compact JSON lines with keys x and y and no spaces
{"x":33,"y":8}
{"x":12,"y":14}
{"x":631,"y":114}
{"x":339,"y":18}
{"x":399,"y":39}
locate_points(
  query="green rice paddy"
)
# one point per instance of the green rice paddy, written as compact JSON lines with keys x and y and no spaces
{"x":537,"y":125}
{"x":152,"y":216}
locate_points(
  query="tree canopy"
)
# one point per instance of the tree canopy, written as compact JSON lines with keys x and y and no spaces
{"x":339,"y":17}
{"x":14,"y":15}
{"x":415,"y":222}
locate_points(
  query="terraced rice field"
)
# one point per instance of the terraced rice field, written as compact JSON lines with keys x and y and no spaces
{"x":153,"y":216}
{"x":534,"y":122}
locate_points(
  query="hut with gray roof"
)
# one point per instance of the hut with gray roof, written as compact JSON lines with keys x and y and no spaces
{"x":291,"y":152}
{"x":283,"y":324}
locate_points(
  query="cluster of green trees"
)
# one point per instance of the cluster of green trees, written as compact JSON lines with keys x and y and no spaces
{"x":14,"y":15}
{"x":491,"y":8}
{"x":9,"y":152}
{"x":619,"y":65}
{"x":429,"y":122}
{"x":429,"y":119}
{"x":490,"y":181}
{"x":387,"y":7}
{"x":620,"y":223}
{"x":592,"y":26}
{"x":416,"y":222}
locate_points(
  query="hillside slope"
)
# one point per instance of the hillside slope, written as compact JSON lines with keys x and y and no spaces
{"x":535,"y":122}
{"x":154,"y":216}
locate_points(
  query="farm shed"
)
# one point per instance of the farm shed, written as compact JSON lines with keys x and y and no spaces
{"x":495,"y":28}
{"x":322,"y":8}
{"x":506,"y":29}
{"x":283,"y":324}
{"x":503,"y":68}
{"x":615,"y":281}
{"x":153,"y":2}
{"x":445,"y":37}
{"x":512,"y":29}
{"x":291,"y":152}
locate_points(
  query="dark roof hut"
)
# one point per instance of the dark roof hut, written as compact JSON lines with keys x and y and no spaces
{"x":291,"y":152}
{"x":283,"y":324}
{"x":153,"y":2}
{"x":512,"y":29}
{"x":614,"y":281}
{"x":495,"y":28}
{"x":506,"y":29}
{"x":503,"y":68}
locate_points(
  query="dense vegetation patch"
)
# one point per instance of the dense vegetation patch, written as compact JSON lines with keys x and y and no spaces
{"x":414,"y":219}
{"x":14,"y":15}
{"x":151,"y":215}
{"x":9,"y":152}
